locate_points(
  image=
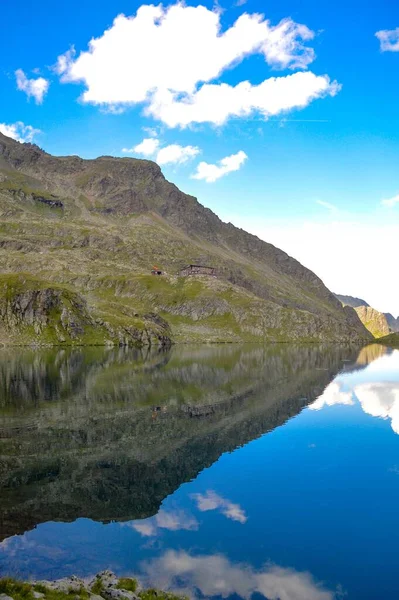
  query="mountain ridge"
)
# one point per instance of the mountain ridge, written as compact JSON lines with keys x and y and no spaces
{"x":378,"y":323}
{"x":104,"y":222}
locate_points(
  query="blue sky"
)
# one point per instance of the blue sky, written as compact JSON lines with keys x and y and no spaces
{"x":310,"y":142}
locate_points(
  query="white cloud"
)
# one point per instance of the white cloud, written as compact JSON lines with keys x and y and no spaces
{"x":175,"y":154}
{"x":214,"y":575}
{"x":174,"y":520}
{"x":212,"y":501}
{"x":390,"y":202}
{"x":64,"y":61}
{"x":171,"y":154}
{"x":151,"y":131}
{"x":147,"y":147}
{"x":389,"y":40}
{"x":37,"y":88}
{"x":163,"y":55}
{"x":19,"y":131}
{"x":211,"y":173}
{"x":217,"y":103}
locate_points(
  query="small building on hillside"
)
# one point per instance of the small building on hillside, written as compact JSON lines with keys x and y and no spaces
{"x":198,"y":270}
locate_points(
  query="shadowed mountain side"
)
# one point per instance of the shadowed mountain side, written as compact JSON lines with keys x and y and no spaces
{"x":84,"y":235}
{"x":351,"y":301}
{"x":93,"y":446}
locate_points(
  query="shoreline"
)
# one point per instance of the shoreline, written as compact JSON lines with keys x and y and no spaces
{"x":103,"y":586}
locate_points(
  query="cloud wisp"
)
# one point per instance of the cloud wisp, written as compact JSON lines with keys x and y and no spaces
{"x":211,"y":172}
{"x":19,"y":131}
{"x":33,"y":88}
{"x":389,"y":39}
{"x":212,"y":501}
{"x":328,"y":205}
{"x":166,"y":58}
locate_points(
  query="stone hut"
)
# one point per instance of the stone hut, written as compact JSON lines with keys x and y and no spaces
{"x":198,"y":270}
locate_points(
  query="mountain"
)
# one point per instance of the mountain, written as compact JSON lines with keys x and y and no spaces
{"x":79,"y":239}
{"x":392,"y":322}
{"x":373,"y":320}
{"x":378,"y":323}
{"x":89,"y":443}
{"x":351,"y":301}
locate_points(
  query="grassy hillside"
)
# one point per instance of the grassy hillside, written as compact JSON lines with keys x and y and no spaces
{"x":391,"y":340}
{"x":96,"y":228}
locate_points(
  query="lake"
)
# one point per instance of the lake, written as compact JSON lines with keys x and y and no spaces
{"x":221,"y":471}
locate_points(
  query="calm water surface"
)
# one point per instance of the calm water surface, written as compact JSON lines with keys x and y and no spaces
{"x":220,"y":472}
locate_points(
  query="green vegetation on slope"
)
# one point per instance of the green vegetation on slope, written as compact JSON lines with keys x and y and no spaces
{"x":391,"y":340}
{"x":17,"y":590}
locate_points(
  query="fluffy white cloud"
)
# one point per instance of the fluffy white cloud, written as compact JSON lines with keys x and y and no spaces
{"x":212,"y":501}
{"x":217,"y":103}
{"x":35,"y":88}
{"x":211,"y":173}
{"x":175,"y":154}
{"x":171,"y":154}
{"x":214,"y":575}
{"x":147,"y":147}
{"x":390,"y":202}
{"x":163,"y":55}
{"x":170,"y":520}
{"x":389,"y":40}
{"x":19,"y":131}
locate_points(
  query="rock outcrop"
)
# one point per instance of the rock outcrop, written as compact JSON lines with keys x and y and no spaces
{"x":373,"y":320}
{"x":31,"y":314}
{"x":104,"y":586}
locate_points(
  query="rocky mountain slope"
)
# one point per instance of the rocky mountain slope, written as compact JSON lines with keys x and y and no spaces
{"x":378,"y":323}
{"x":88,"y":232}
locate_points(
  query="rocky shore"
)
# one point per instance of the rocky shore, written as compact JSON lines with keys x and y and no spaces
{"x":104,"y":586}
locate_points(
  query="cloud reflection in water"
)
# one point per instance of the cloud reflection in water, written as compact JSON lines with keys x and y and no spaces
{"x":216,"y":575}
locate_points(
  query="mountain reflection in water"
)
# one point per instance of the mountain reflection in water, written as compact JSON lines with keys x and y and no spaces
{"x":108,"y":434}
{"x":96,"y":444}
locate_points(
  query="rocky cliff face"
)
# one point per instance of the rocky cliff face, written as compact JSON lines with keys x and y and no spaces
{"x":373,"y":320}
{"x":379,"y":324}
{"x":30,"y":314}
{"x":96,"y":227}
